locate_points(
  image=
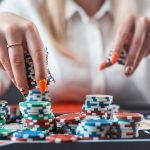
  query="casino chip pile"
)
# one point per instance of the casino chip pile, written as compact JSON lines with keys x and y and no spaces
{"x":37,"y":115}
{"x":36,"y":95}
{"x":125,"y":125}
{"x":121,"y":59}
{"x":30,"y":72}
{"x":69,"y":122}
{"x":4,"y":108}
{"x":94,"y":128}
{"x":97,"y":105}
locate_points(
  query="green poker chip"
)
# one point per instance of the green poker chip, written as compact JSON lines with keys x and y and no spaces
{"x":2,"y":122}
{"x":38,"y":116}
{"x":4,"y":132}
{"x":2,"y":114}
{"x":34,"y":103}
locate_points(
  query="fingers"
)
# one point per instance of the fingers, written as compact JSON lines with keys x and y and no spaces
{"x":146,"y":46}
{"x":16,"y":57}
{"x":5,"y":62}
{"x":36,"y":50}
{"x":122,"y":37}
{"x":136,"y":46}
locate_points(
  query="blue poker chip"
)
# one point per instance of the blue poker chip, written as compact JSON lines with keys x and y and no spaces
{"x":96,"y":122}
{"x":30,"y":134}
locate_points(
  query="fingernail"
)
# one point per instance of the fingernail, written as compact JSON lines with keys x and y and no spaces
{"x":128,"y":70}
{"x":102,"y":66}
{"x":42,"y":84}
{"x":23,"y":91}
{"x":115,"y":57}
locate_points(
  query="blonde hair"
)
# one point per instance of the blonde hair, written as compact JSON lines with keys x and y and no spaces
{"x":53,"y":15}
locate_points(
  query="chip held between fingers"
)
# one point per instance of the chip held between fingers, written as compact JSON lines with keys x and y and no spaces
{"x":42,"y":84}
{"x":115,"y":57}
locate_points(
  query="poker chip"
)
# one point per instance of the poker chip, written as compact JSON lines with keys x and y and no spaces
{"x":15,"y":139}
{"x":121,"y":59}
{"x":125,"y":125}
{"x":97,"y":105}
{"x":5,"y":133}
{"x":34,"y":104}
{"x":93,"y":128}
{"x":4,"y":108}
{"x":30,"y":73}
{"x":128,"y":116}
{"x":61,"y":138}
{"x":71,"y":117}
{"x":25,"y":134}
{"x":36,"y":95}
{"x":37,"y":115}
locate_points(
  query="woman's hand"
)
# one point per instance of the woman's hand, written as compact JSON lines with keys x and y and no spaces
{"x":16,"y":35}
{"x":133,"y":35}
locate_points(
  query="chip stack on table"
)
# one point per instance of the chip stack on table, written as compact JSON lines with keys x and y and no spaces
{"x":5,"y":108}
{"x":125,"y":125}
{"x":30,"y":72}
{"x":28,"y":135}
{"x":121,"y":59}
{"x":69,"y":122}
{"x":2,"y":118}
{"x":36,"y":95}
{"x":97,"y":105}
{"x":16,"y":116}
{"x":37,"y":115}
{"x":93,"y":128}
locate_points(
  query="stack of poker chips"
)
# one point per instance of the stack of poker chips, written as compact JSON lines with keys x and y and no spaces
{"x":16,"y":116}
{"x":69,"y":122}
{"x":5,"y":108}
{"x":125,"y":125}
{"x":37,"y":115}
{"x":36,"y":95}
{"x":122,"y":57}
{"x":2,"y":118}
{"x":97,"y":105}
{"x":28,"y":135}
{"x":113,"y":108}
{"x":93,"y":128}
{"x":30,"y":72}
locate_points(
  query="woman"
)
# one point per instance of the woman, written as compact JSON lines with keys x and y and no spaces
{"x":77,"y":34}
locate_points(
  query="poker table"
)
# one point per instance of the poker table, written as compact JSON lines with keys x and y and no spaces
{"x":142,"y":143}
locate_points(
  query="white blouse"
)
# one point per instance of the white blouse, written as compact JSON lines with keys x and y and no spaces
{"x":89,"y":38}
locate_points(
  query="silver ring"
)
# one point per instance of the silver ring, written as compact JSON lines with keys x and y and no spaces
{"x":13,"y":45}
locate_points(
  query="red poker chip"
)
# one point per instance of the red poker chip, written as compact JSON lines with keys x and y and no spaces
{"x":39,"y":121}
{"x":71,"y":117}
{"x":126,"y":133}
{"x":128,"y":116}
{"x":12,"y":138}
{"x":60,"y":138}
{"x":95,"y":138}
{"x":40,"y":124}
